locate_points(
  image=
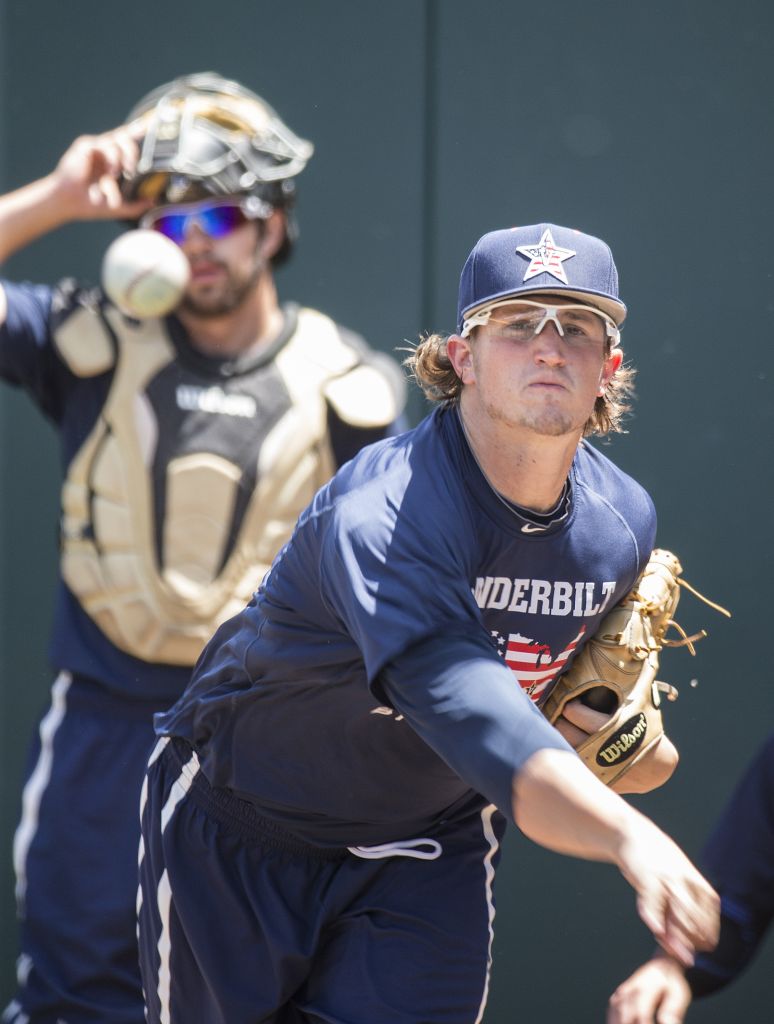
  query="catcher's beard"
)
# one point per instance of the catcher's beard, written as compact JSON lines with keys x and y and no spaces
{"x":231,"y":295}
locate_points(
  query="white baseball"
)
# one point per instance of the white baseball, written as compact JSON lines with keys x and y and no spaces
{"x":144,"y":273}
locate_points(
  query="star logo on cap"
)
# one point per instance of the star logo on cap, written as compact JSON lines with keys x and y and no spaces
{"x":546,"y":258}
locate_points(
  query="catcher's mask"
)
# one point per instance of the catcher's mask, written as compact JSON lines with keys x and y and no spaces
{"x":203,"y":135}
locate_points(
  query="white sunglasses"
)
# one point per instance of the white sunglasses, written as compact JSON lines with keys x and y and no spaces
{"x":526,"y":319}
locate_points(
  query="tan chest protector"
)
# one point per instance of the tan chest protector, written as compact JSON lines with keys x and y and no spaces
{"x":211,"y":565}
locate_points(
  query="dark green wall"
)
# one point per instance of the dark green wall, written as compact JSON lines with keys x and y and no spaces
{"x":434,"y":121}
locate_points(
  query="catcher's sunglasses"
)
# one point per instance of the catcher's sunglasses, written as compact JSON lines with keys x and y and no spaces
{"x":523,"y":320}
{"x":216,"y":218}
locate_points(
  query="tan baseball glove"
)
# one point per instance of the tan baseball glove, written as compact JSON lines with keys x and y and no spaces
{"x":615,"y":672}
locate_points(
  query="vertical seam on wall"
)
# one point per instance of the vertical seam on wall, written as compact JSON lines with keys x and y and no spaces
{"x":4,"y":667}
{"x":429,"y":168}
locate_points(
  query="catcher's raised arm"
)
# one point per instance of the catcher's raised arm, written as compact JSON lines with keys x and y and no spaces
{"x":608,"y":703}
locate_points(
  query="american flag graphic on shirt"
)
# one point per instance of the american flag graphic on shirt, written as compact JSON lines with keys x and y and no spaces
{"x":531,"y":662}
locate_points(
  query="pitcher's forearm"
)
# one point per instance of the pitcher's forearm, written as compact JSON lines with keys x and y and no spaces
{"x":559,"y":804}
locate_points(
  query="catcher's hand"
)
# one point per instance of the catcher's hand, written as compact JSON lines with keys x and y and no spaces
{"x":615,"y":672}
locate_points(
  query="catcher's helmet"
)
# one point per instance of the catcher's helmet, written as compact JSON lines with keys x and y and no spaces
{"x":205,"y":135}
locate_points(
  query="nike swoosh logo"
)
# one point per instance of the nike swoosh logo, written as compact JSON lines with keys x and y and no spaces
{"x":529,"y":528}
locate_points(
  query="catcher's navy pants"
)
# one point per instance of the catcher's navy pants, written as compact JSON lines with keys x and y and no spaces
{"x":75,"y":855}
{"x":240,"y":923}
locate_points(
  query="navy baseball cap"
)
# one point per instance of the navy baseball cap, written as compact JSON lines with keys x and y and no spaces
{"x":539,"y":258}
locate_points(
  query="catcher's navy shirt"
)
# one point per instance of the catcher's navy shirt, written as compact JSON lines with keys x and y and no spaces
{"x":29,"y":359}
{"x":302,"y":703}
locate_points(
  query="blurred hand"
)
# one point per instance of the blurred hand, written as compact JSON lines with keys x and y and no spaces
{"x":673,"y":899}
{"x":87,"y":176}
{"x":657,"y":993}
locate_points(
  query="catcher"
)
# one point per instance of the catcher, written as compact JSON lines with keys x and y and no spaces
{"x":608,"y":705}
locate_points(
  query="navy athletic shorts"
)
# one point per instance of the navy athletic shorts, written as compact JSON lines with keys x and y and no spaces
{"x":241,"y":923}
{"x":75,"y":856}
